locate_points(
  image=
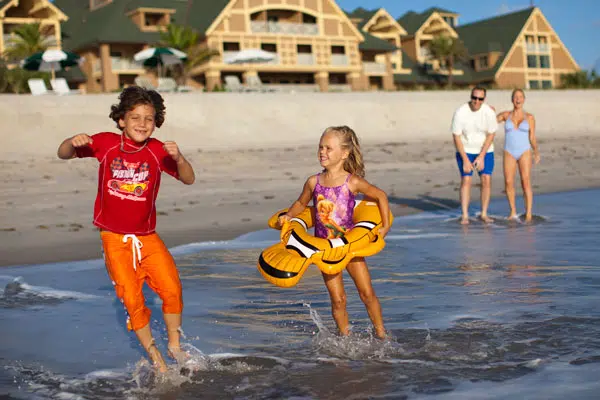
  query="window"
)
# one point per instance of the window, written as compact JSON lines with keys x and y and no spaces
{"x":544,"y":61}
{"x":449,"y":20}
{"x":116,"y":54}
{"x":308,"y":19}
{"x":394,"y":65}
{"x":543,"y":44}
{"x":338,"y":50}
{"x":304,"y":49}
{"x":231,"y":46}
{"x":155,"y":19}
{"x":534,"y":84}
{"x":270,"y":47}
{"x":546,"y":84}
{"x":532,"y":61}
{"x":483,"y":62}
{"x":530,"y":43}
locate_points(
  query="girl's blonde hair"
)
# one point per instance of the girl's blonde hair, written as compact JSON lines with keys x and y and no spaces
{"x":349,"y":141}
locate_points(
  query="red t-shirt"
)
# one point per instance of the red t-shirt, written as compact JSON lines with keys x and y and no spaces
{"x":128,"y":182}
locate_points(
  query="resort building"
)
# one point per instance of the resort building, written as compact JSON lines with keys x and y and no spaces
{"x":14,"y":13}
{"x":315,"y":45}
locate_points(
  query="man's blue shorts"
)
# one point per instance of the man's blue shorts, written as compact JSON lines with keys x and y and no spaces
{"x":488,"y":163}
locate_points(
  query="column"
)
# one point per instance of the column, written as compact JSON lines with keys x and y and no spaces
{"x":322,"y":79}
{"x":110,"y":81}
{"x":388,"y":78}
{"x":353,"y":79}
{"x":213,"y":79}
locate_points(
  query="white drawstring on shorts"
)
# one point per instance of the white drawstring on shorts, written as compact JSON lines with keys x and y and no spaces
{"x":136,"y":247}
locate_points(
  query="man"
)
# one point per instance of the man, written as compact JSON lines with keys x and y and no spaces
{"x":473,"y":128}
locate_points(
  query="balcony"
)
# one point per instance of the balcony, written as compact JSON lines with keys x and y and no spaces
{"x":286,"y":28}
{"x":306,"y":59}
{"x":339,"y":60}
{"x":124,"y":65}
{"x":425,"y":53}
{"x":531,"y":48}
{"x":9,"y":39}
{"x":544,"y":48}
{"x":374,"y":67}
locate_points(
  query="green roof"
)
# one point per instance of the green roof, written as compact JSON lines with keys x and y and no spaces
{"x":374,"y":43}
{"x":110,"y":24}
{"x":493,"y":34}
{"x":412,"y":21}
{"x":363,"y":14}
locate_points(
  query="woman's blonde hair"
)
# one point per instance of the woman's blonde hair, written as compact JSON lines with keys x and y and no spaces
{"x":517,"y":90}
{"x":349,"y":141}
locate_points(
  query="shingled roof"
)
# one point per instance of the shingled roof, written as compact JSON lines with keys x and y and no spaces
{"x":493,"y":34}
{"x":412,"y":21}
{"x":110,"y":24}
{"x":363,"y":14}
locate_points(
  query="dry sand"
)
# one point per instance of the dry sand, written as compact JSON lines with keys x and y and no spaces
{"x":252,"y":154}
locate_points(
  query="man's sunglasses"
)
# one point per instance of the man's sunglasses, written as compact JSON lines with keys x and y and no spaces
{"x":474,"y":98}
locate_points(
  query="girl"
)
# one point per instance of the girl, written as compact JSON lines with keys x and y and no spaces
{"x":131,"y":163}
{"x":333,"y":192}
{"x":520,"y":139}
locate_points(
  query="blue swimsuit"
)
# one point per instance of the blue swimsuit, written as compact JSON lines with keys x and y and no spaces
{"x":517,"y":139}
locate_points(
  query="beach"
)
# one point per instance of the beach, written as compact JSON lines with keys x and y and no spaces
{"x":252,"y":154}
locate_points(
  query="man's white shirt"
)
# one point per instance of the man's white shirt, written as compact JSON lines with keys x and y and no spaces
{"x":474,"y":126}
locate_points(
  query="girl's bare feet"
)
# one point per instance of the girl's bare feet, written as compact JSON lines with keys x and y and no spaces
{"x":485,"y":219}
{"x":464,"y":220}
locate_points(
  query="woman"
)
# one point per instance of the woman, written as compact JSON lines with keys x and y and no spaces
{"x":519,"y":128}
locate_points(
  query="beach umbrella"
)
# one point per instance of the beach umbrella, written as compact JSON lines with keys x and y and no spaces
{"x":160,"y":56}
{"x":250,"y":56}
{"x":50,"y":60}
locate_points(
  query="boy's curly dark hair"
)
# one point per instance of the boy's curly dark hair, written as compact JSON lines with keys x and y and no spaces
{"x":133,"y":96}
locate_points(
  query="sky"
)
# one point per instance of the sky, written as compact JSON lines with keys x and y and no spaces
{"x":577,"y":22}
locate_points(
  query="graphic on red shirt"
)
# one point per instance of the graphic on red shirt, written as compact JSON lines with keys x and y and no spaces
{"x":129,"y":179}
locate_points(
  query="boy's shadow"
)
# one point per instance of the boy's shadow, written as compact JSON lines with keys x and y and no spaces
{"x":426,"y":203}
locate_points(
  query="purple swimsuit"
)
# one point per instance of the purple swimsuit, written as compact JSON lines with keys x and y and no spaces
{"x":335,"y":209}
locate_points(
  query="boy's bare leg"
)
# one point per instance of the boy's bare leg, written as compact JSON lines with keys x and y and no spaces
{"x":173,"y":323}
{"x":144,"y":335}
{"x":486,"y":192}
{"x":465,"y":198}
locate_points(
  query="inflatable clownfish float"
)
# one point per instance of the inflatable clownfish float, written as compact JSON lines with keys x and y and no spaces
{"x":284,"y":263}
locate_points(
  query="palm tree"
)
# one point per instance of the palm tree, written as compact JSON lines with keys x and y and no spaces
{"x":186,"y":39}
{"x":448,"y":50}
{"x":29,"y":40}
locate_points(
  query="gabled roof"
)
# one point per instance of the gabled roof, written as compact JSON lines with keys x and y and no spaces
{"x":110,"y":24}
{"x":439,"y":10}
{"x":363,"y":14}
{"x":493,"y":34}
{"x":412,"y":21}
{"x":373,"y":43}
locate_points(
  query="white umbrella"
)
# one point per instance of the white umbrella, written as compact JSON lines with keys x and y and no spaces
{"x":250,"y":56}
{"x":51,"y":60}
{"x":160,"y":56}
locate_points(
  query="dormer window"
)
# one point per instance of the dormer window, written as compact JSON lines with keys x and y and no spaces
{"x":95,"y":4}
{"x":151,"y":19}
{"x":450,"y":20}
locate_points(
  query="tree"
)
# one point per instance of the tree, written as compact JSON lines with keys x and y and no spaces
{"x":186,"y":39}
{"x":576,"y":80}
{"x":448,"y":50}
{"x":29,"y":40}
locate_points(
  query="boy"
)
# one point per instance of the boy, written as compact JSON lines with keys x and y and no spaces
{"x":125,"y":211}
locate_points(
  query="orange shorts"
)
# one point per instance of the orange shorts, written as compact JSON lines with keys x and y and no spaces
{"x":132,"y":260}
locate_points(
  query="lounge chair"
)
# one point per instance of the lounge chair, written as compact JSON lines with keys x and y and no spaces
{"x":37,"y":87}
{"x":61,"y":87}
{"x":233,"y":84}
{"x":166,"y":85}
{"x":254,"y":83}
{"x":145,"y":82}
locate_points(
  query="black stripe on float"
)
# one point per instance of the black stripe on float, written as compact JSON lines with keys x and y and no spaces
{"x":333,"y":262}
{"x":310,"y":246}
{"x":297,"y":250}
{"x":344,"y":239}
{"x":274,"y":272}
